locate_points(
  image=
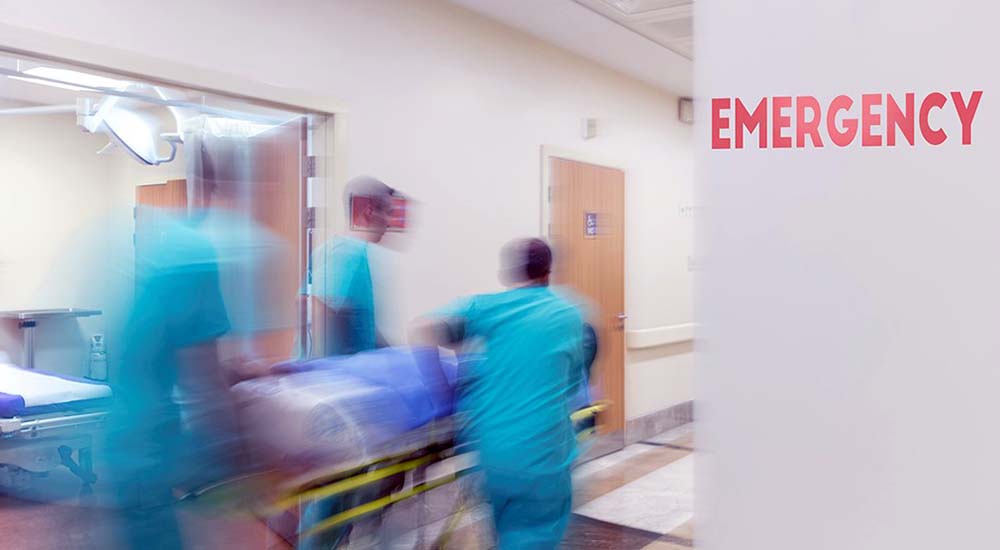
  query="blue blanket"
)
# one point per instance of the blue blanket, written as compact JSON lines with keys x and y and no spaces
{"x":423,"y":384}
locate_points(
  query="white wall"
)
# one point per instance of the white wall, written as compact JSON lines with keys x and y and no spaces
{"x":452,"y":109}
{"x":55,"y":191}
{"x":66,"y":220}
{"x":851,"y":300}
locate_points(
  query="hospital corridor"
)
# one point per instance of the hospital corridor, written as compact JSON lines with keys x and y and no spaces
{"x":345,"y":275}
{"x":640,"y":497}
{"x":498,"y":274}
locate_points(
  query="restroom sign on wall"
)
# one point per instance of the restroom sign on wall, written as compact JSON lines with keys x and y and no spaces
{"x":590,"y":224}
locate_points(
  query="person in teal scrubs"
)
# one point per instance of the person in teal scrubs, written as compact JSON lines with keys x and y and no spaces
{"x":169,"y":340}
{"x":347,"y":297}
{"x":174,"y":426}
{"x":342,"y":283}
{"x":517,"y":398}
{"x":340,"y":271}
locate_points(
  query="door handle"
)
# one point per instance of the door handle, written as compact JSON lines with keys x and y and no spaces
{"x":621,"y":321}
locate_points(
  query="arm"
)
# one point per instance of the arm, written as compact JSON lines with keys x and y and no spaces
{"x":443,"y":331}
{"x":339,"y":336}
{"x":211,"y":408}
{"x":448,"y":327}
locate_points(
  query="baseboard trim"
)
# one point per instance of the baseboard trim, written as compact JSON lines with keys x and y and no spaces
{"x":602,"y":445}
{"x":658,"y":422}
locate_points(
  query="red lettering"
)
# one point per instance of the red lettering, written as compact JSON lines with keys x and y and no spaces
{"x":894,"y":118}
{"x":805,"y":127}
{"x":779,"y":122}
{"x":756,"y":121}
{"x":719,"y":122}
{"x":870,"y":119}
{"x":966,"y":112}
{"x":841,"y":138}
{"x":932,"y":136}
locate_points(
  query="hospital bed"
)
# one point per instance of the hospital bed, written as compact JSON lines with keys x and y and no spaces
{"x":47,"y":421}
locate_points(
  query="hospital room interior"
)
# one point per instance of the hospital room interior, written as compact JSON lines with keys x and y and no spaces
{"x":350,"y":274}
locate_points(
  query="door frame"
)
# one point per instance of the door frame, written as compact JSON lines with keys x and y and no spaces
{"x":327,"y":129}
{"x":548,"y":152}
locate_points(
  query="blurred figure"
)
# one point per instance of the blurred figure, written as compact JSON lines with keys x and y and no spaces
{"x":517,"y":401}
{"x":169,"y":341}
{"x":198,"y":265}
{"x":346,"y":303}
{"x":342,"y":271}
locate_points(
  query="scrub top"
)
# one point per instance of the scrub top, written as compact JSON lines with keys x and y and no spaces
{"x":178,"y":303}
{"x":517,"y":398}
{"x":342,"y":280}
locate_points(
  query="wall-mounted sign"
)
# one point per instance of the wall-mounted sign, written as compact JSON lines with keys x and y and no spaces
{"x":397,"y":213}
{"x":878,"y":118}
{"x":590,"y":224}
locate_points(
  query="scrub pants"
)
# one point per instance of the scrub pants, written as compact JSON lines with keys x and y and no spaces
{"x":145,"y":472}
{"x":530,"y":512}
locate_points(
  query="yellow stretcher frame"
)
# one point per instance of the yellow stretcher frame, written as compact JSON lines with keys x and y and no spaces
{"x":358,"y":481}
{"x":354,"y":478}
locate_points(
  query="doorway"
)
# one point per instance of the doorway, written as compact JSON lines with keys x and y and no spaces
{"x":266,"y":194}
{"x":586,"y":225}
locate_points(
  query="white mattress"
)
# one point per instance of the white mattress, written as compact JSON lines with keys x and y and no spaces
{"x":40,"y":389}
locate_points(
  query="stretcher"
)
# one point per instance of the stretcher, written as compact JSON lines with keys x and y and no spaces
{"x":364,"y":429}
{"x":273,"y":493}
{"x":48,"y":421}
{"x":336,"y":483}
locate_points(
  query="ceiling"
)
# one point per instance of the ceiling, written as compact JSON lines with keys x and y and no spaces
{"x":669,"y":23}
{"x":20,"y":88}
{"x":650,"y":40}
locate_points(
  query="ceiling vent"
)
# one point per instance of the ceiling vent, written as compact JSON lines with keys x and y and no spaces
{"x":669,"y":23}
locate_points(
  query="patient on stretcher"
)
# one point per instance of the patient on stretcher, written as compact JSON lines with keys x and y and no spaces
{"x":348,"y":409}
{"x":351,"y":409}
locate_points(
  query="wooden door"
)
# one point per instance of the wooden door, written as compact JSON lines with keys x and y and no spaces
{"x":588,"y":234}
{"x":157,"y":198}
{"x":279,"y":204}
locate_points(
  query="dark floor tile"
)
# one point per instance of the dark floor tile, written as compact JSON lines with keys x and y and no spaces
{"x":586,"y":533}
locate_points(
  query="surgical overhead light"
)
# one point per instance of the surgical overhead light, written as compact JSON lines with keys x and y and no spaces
{"x":137,"y":136}
{"x":68,"y":80}
{"x":128,"y":129}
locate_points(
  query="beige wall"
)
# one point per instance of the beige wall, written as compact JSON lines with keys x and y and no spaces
{"x":55,"y":192}
{"x":451,"y":108}
{"x":67,"y":223}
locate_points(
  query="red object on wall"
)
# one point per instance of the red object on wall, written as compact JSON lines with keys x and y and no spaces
{"x":397,"y":214}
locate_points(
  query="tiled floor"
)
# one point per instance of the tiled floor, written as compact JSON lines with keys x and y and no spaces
{"x":643,"y":495}
{"x":636,"y":499}
{"x":640,"y":498}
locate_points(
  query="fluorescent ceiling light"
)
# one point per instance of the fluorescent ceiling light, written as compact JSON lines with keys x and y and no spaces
{"x":68,"y":80}
{"x":232,"y":127}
